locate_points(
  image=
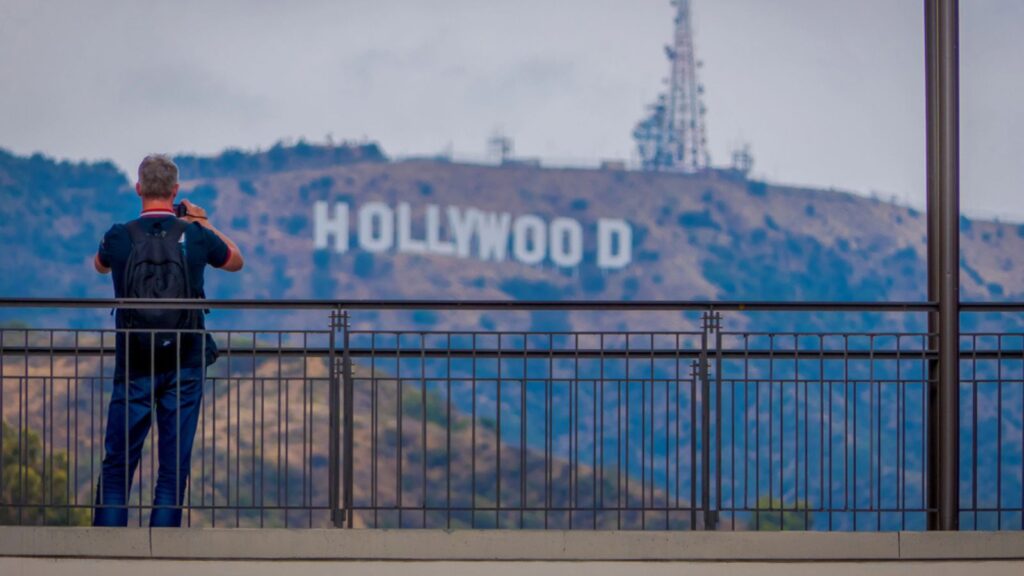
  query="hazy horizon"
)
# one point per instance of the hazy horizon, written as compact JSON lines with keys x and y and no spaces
{"x":830,"y":94}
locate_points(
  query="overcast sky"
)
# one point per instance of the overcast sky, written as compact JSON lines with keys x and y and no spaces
{"x":828,"y":92}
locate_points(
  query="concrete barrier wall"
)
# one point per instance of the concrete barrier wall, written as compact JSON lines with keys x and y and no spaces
{"x":110,"y":551}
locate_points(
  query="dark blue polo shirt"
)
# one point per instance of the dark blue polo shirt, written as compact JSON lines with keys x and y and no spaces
{"x":202,"y":248}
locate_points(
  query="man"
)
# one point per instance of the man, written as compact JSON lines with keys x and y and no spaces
{"x":163,"y":256}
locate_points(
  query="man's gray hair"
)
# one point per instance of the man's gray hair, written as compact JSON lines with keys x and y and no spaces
{"x":157,"y":176}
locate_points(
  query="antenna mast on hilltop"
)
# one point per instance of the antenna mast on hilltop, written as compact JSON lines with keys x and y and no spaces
{"x":673,"y":137}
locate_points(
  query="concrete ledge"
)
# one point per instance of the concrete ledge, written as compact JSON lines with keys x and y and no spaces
{"x":517,"y":545}
{"x":954,"y":545}
{"x":494,"y":545}
{"x":74,"y":542}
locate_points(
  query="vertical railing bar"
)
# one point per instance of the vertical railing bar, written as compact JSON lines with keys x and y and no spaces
{"x":423,"y":423}
{"x":627,"y":446}
{"x":603,"y":385}
{"x":310,"y":398}
{"x":821,"y":432}
{"x":648,"y":456}
{"x":72,"y":485}
{"x":736,"y":421}
{"x":238,"y":439}
{"x":927,"y":480}
{"x":49,"y":431}
{"x":548,"y":429}
{"x":473,"y":433}
{"x":796,"y":434}
{"x":677,"y":409}
{"x":94,"y":494}
{"x":668,"y":451}
{"x":19,"y":500}
{"x":901,"y":454}
{"x":974,"y":425}
{"x":306,"y":461}
{"x":374,"y":430}
{"x":807,"y":451}
{"x":374,"y":424}
{"x":45,"y":433}
{"x":782,"y":433}
{"x":694,"y":376}
{"x":643,"y":452}
{"x":746,"y":430}
{"x":522,"y":435}
{"x":846,"y":433}
{"x":448,"y":435}
{"x":262,"y":443}
{"x":771,"y":425}
{"x":875,"y":441}
{"x":282,"y":451}
{"x":400,"y":408}
{"x":497,"y":442}
{"x":999,"y":432}
{"x":423,"y":426}
{"x":705,"y":426}
{"x":574,"y":436}
{"x":23,"y":433}
{"x":213,"y":446}
{"x":333,"y":424}
{"x":619,"y":405}
{"x":595,"y":470}
{"x":648,"y":500}
{"x":716,"y":326}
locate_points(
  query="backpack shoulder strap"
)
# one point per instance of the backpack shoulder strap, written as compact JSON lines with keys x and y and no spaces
{"x":135,"y":232}
{"x":175,"y":233}
{"x":176,"y":228}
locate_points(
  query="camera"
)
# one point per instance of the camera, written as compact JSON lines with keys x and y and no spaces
{"x":180,"y":210}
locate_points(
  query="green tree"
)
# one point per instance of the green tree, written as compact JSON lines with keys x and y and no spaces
{"x":26,"y":482}
{"x":772,"y":515}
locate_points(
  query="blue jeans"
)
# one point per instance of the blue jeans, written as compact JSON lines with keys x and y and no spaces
{"x":178,"y":397}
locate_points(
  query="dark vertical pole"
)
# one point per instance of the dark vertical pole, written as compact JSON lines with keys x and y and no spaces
{"x":934,"y":244}
{"x":949,"y":309}
{"x":334,"y":424}
{"x":943,"y":152}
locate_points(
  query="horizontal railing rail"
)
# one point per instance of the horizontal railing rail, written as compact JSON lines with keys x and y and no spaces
{"x":761,"y":354}
{"x":513,"y":305}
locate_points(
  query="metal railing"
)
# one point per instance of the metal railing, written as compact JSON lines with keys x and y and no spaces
{"x":719,"y":416}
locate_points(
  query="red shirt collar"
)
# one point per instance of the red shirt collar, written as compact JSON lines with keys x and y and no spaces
{"x":157,"y":213}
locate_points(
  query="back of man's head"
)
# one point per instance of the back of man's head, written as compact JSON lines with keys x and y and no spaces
{"x":158,"y":176}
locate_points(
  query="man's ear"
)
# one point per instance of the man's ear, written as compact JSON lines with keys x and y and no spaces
{"x":174,"y":192}
{"x":138,"y":189}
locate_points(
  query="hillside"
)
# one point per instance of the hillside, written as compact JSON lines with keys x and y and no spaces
{"x":707,"y":236}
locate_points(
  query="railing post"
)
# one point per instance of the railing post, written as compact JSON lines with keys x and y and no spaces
{"x":943,"y":184}
{"x":695,"y":377}
{"x":334,"y":424}
{"x":710,"y":323}
{"x":349,"y":413}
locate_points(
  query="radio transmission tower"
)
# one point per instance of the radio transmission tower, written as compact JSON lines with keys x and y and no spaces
{"x":673,"y":137}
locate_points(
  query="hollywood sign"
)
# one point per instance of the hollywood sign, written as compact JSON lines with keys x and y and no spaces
{"x":469,"y":233}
